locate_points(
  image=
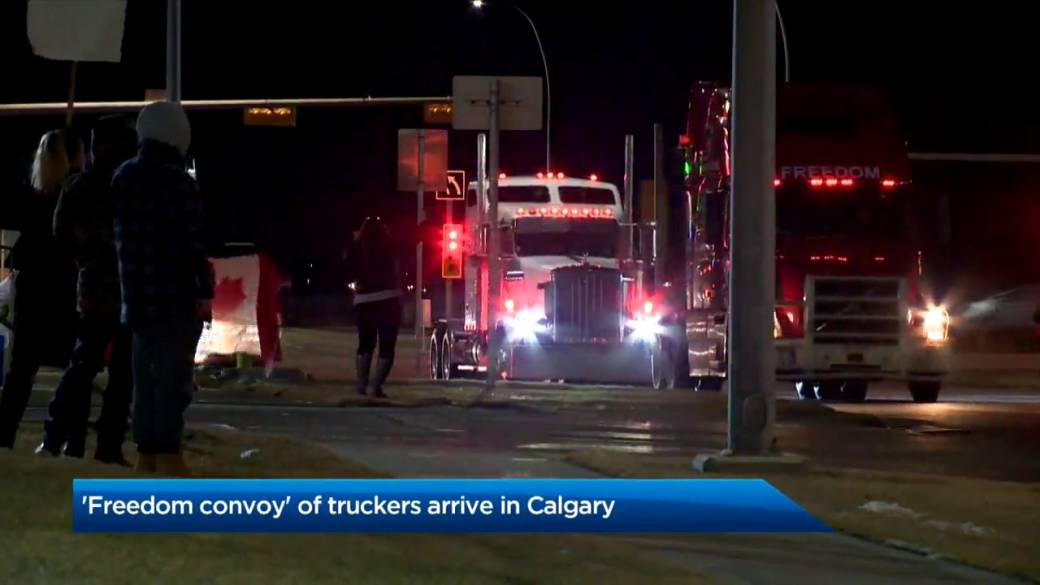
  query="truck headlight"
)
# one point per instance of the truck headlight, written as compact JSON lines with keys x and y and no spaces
{"x":935,"y":324}
{"x":645,"y":328}
{"x":525,"y":325}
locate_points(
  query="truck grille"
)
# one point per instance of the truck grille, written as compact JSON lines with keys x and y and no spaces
{"x":856,"y":310}
{"x":584,"y":304}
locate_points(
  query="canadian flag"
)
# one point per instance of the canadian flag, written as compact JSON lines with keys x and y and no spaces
{"x":77,"y":30}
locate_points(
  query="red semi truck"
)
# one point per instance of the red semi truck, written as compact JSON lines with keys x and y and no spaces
{"x":851,"y":307}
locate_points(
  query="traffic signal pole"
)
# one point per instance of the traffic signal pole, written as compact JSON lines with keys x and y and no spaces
{"x":419,"y":217}
{"x":494,"y":279}
{"x":752,"y":354}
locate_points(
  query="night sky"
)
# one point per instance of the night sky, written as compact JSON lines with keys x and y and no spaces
{"x":961,"y":80}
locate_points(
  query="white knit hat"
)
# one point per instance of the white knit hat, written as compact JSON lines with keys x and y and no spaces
{"x":165,"y":122}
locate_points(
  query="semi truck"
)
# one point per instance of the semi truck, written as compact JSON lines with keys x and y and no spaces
{"x":852,"y":305}
{"x":573,"y":306}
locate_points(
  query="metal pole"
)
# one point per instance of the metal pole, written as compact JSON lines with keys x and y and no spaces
{"x":494,"y":278}
{"x":419,"y":217}
{"x":173,"y":50}
{"x":73,"y":67}
{"x":783,"y":40}
{"x":449,"y":217}
{"x":630,"y":179}
{"x":752,"y":373}
{"x":548,"y":92}
{"x":660,"y":210}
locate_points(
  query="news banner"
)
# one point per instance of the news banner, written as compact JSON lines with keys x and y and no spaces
{"x":436,"y":506}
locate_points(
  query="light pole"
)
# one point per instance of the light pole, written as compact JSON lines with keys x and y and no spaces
{"x":479,"y":4}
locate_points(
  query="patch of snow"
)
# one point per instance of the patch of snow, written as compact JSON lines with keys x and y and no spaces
{"x":889,"y":509}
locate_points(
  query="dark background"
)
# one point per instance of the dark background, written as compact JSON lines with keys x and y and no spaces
{"x":962,"y":80}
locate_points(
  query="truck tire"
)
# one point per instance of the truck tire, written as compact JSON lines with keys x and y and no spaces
{"x":662,"y":367}
{"x":924,"y":392}
{"x":435,"y":358}
{"x":449,"y":370}
{"x":827,"y":390}
{"x":803,"y":389}
{"x":854,"y":391}
{"x":708,"y":383}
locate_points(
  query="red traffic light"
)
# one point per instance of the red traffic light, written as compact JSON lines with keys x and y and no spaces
{"x":451,"y":251}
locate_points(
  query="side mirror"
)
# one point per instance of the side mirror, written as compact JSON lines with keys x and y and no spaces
{"x":715,"y":217}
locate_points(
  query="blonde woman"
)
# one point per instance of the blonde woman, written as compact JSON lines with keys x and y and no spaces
{"x":45,"y":304}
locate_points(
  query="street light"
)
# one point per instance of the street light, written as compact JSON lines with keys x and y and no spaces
{"x":479,"y":4}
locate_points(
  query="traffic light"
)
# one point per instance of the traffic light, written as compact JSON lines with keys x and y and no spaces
{"x":451,"y":251}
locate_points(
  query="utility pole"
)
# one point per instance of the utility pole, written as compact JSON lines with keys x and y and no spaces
{"x":173,"y":50}
{"x":420,"y":216}
{"x":494,"y":278}
{"x":752,"y":354}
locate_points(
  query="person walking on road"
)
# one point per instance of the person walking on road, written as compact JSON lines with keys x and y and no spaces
{"x":83,"y":226}
{"x":45,"y":298}
{"x":373,"y":268}
{"x":167,"y":281}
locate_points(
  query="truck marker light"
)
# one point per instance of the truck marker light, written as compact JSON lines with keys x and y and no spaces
{"x":648,"y":307}
{"x":540,"y":175}
{"x":888,"y":183}
{"x":608,"y":212}
{"x":453,"y":246}
{"x":501,"y":176}
{"x":586,"y":212}
{"x":879,"y":258}
{"x":596,"y":213}
{"x":510,"y":305}
{"x":846,"y":182}
{"x":936,"y":324}
{"x":555,"y":211}
{"x":777,"y":182}
{"x":521,"y":212}
{"x":831,"y":182}
{"x":543,"y":211}
{"x":593,"y":177}
{"x":816,"y":182}
{"x":559,"y":175}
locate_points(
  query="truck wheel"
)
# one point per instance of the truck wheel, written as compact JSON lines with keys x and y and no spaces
{"x":924,"y":392}
{"x":449,"y":371}
{"x":827,"y":390}
{"x":709,"y":383}
{"x":854,"y":390}
{"x":436,"y":364}
{"x":662,"y":367}
{"x":804,"y":390}
{"x":435,"y":359}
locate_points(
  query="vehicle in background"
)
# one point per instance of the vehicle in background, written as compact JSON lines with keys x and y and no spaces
{"x":572,"y":306}
{"x":1006,"y":321}
{"x":850,"y":306}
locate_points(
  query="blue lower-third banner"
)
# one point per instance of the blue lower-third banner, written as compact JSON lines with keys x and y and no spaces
{"x":432,"y":505}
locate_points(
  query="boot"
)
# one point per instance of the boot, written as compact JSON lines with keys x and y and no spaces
{"x":111,"y":457}
{"x":364,"y":365}
{"x":145,"y":463}
{"x":172,"y":464}
{"x":382,"y":372}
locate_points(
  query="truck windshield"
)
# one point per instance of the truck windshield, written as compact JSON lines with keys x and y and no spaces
{"x":827,"y":212}
{"x":562,"y":237}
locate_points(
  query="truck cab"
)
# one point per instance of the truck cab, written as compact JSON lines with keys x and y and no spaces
{"x":851,"y":302}
{"x":569,"y":297}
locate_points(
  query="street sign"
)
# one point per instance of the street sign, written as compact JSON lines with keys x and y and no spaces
{"x":281,"y":116}
{"x":519,"y":103}
{"x":434,"y":163}
{"x":456,"y":190}
{"x":437,"y":113}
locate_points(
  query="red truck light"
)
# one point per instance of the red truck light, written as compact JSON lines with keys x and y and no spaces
{"x":787,"y":323}
{"x":888,"y":183}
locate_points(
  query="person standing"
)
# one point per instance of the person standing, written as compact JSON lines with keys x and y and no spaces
{"x":83,"y":226}
{"x":45,"y":298}
{"x":167,"y":281}
{"x":372,"y":264}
